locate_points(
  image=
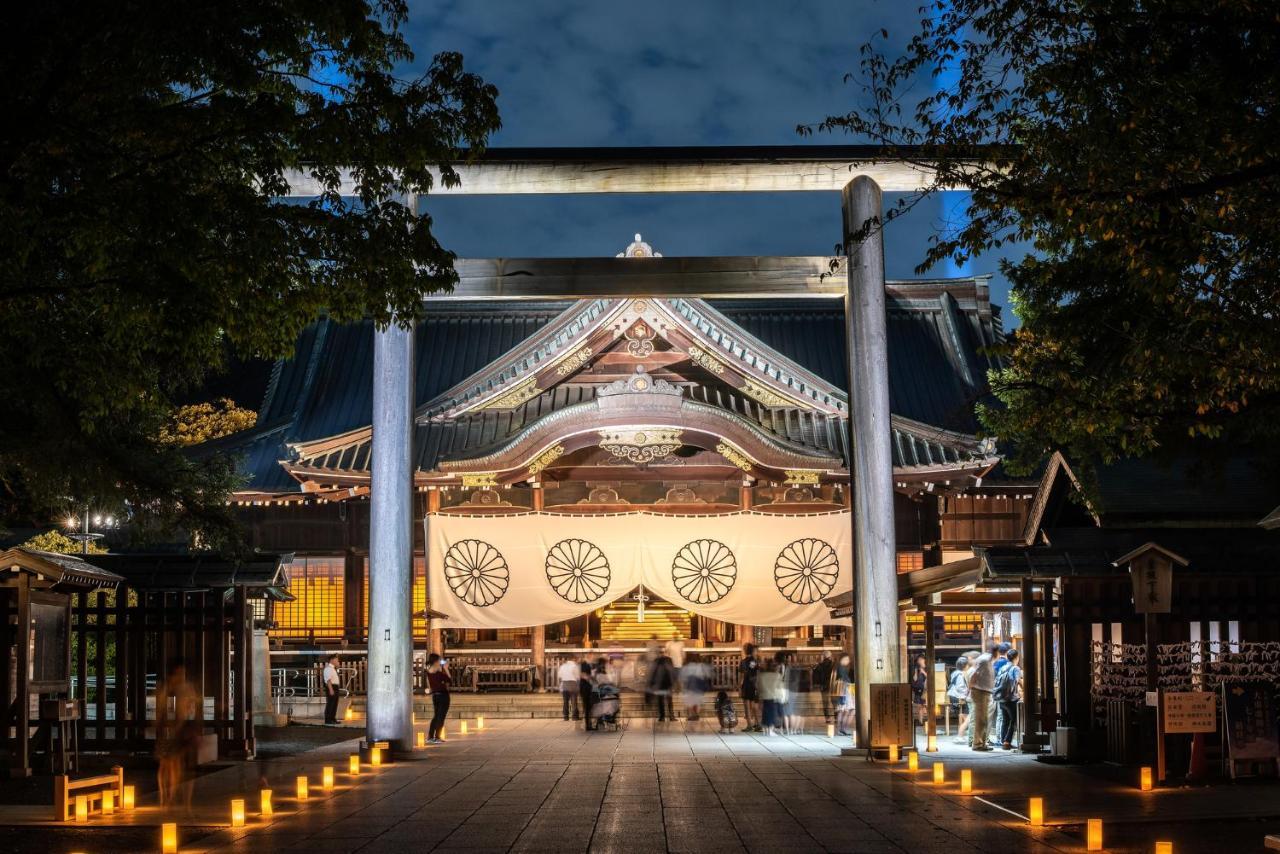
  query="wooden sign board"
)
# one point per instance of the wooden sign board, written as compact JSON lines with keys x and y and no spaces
{"x":891,"y":720}
{"x":1152,"y":575}
{"x":1190,"y":712}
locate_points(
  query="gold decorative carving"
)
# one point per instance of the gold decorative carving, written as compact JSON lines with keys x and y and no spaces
{"x":765,"y":395}
{"x":522,"y":393}
{"x":487,"y":498}
{"x":640,"y":339}
{"x":734,"y":456}
{"x":545,"y":459}
{"x":799,"y":477}
{"x":705,"y":360}
{"x":640,"y":446}
{"x":483,"y":479}
{"x":573,"y":361}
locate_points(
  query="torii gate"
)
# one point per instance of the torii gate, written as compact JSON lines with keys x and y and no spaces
{"x":860,"y":174}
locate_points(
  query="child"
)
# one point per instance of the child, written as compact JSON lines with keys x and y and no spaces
{"x":725,"y":712}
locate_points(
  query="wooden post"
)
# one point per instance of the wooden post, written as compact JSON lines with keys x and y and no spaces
{"x":538,"y":650}
{"x":435,"y":634}
{"x":22,"y":767}
{"x":1030,"y":668}
{"x":930,"y":720}
{"x":243,"y":705}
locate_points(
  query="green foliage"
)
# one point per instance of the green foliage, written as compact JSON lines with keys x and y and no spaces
{"x":60,"y":543}
{"x":201,"y":422}
{"x":144,"y":234}
{"x":1135,"y":146}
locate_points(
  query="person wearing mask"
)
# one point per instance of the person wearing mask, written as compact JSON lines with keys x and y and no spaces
{"x":587,"y":691}
{"x":569,"y":675}
{"x":438,"y":681}
{"x":919,"y":684}
{"x":748,"y":670}
{"x":1008,"y":691}
{"x":331,"y":684}
{"x":843,"y":695}
{"x":981,"y":684}
{"x":958,"y":696}
{"x":822,"y":673}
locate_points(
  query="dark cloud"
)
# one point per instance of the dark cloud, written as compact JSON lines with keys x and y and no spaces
{"x":735,"y":72}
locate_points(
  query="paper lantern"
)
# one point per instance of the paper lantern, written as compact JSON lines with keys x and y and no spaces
{"x":1146,"y":781}
{"x":353,"y":764}
{"x":237,"y":812}
{"x":966,"y":781}
{"x":128,"y":796}
{"x":1035,"y":812}
{"x":462,"y":728}
{"x":1094,"y":835}
{"x":303,"y":793}
{"x":169,"y":838}
{"x":108,"y":802}
{"x":264,"y":802}
{"x":479,"y":721}
{"x":1164,"y":848}
{"x":350,"y":714}
{"x":82,"y":808}
{"x":913,"y":760}
{"x":939,"y":774}
{"x":375,"y":756}
{"x":893,"y":753}
{"x":422,"y":738}
{"x":326,"y":778}
{"x":932,"y":744}
{"x":831,"y":730}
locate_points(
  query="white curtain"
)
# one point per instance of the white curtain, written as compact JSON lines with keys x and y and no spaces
{"x":535,"y":568}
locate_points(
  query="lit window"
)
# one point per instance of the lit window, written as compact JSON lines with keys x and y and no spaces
{"x":317,"y":586}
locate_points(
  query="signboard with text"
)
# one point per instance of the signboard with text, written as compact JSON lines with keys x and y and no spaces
{"x":1252,"y":722}
{"x":1190,"y":712}
{"x":891,"y":721}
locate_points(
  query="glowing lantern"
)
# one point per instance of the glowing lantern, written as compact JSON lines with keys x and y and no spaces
{"x":939,"y":774}
{"x":1094,"y":837}
{"x":264,"y":803}
{"x":237,"y":812}
{"x":479,"y":721}
{"x":893,"y":754}
{"x":326,"y":778}
{"x":350,"y":714}
{"x":462,"y":728}
{"x":82,"y":809}
{"x":169,"y":838}
{"x":422,"y":738}
{"x":913,"y":761}
{"x":375,"y":756}
{"x":831,"y":730}
{"x":303,"y":793}
{"x":932,"y":745}
{"x":1164,"y":848}
{"x":108,"y":802}
{"x":1035,"y":812}
{"x":966,"y":781}
{"x":128,"y":797}
{"x":1146,"y":781}
{"x":353,"y":764}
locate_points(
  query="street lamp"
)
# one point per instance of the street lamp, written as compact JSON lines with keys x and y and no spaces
{"x":80,"y":532}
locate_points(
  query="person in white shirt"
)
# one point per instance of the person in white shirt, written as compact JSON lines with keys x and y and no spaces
{"x":569,"y":674}
{"x":981,"y":683}
{"x":330,"y":684}
{"x":675,"y":652}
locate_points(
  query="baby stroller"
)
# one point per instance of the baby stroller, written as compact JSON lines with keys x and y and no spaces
{"x":608,"y":704}
{"x":725,"y":713}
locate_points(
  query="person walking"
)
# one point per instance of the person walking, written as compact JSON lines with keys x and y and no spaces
{"x":981,"y":684}
{"x":748,"y":670}
{"x":958,"y":696}
{"x":790,"y":691}
{"x":587,"y":677}
{"x":662,"y":684}
{"x":569,"y":674}
{"x":919,"y":684}
{"x":1008,"y":692}
{"x":331,"y":684}
{"x":821,"y":682}
{"x":771,"y":696}
{"x":843,"y":696}
{"x":695,"y":680}
{"x":438,"y":682}
{"x":998,"y":663}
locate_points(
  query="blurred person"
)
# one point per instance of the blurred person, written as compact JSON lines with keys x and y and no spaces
{"x":748,"y":670}
{"x":177,"y":735}
{"x":569,"y":674}
{"x":607,"y":702}
{"x":695,"y":681}
{"x":919,"y":686}
{"x":438,"y":682}
{"x":1007,"y":692}
{"x":587,"y":677}
{"x":843,"y":696}
{"x":675,"y":651}
{"x":791,"y":681}
{"x":652,"y":650}
{"x":662,"y":684}
{"x":771,"y":696}
{"x":331,"y":685}
{"x":982,"y":681}
{"x":958,"y":696}
{"x":726,"y":715}
{"x":823,"y":672}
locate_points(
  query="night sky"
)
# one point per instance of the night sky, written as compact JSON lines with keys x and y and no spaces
{"x":587,"y":73}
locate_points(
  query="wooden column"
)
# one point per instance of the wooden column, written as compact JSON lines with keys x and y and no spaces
{"x":242,"y":731}
{"x":435,"y":634}
{"x":744,"y":634}
{"x":538,"y":650}
{"x":1030,"y":668}
{"x":21,"y":766}
{"x":931,"y":719}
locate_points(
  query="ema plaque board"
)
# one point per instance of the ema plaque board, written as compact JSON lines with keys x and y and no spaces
{"x":891,"y":721}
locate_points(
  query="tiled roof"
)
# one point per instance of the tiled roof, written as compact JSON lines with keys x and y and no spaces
{"x":937,"y":372}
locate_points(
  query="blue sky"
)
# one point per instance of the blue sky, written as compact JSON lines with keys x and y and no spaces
{"x":583,"y":73}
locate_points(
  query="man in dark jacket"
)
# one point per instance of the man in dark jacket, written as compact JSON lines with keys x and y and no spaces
{"x":822,"y":683}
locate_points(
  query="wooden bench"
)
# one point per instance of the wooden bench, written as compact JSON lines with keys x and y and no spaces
{"x":503,"y":677}
{"x":66,"y":789}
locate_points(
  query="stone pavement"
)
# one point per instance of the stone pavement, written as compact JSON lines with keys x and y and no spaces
{"x":538,"y":785}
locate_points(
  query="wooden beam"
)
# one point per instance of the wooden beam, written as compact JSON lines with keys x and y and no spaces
{"x":702,"y":169}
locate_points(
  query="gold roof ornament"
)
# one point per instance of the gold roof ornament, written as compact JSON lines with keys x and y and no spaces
{"x":640,"y":445}
{"x":638,"y":249}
